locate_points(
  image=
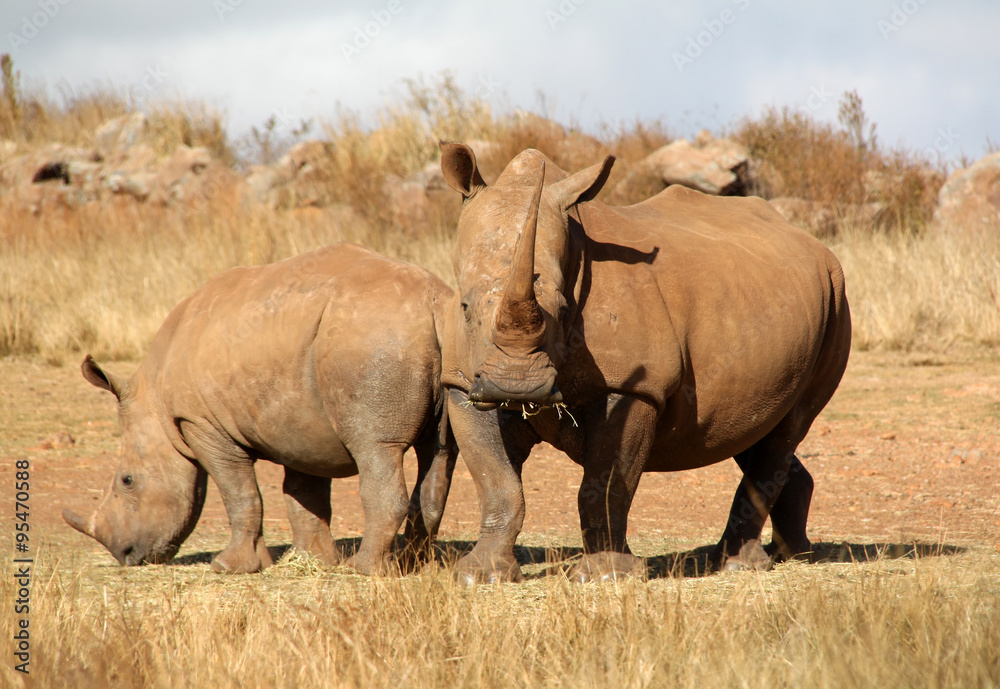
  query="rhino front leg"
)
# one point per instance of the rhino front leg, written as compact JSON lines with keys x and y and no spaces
{"x":384,"y":501}
{"x":494,"y":445}
{"x":308,"y":501}
{"x":619,"y":438}
{"x":232,"y":470}
{"x":435,"y":465}
{"x":246,"y":552}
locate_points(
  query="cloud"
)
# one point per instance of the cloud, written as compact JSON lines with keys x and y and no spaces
{"x":594,"y":62}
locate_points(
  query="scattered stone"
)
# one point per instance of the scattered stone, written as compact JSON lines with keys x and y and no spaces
{"x":970,"y":200}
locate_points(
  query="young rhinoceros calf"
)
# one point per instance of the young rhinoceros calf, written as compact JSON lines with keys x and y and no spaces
{"x":327,"y":363}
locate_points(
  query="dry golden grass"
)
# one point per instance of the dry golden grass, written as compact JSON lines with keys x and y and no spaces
{"x":926,"y":622}
{"x":929,"y":291}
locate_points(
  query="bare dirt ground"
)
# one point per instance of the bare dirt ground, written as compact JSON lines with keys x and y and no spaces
{"x":908,"y":451}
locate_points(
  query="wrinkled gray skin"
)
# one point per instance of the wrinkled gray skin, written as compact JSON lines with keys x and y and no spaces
{"x":677,"y":332}
{"x":327,"y":363}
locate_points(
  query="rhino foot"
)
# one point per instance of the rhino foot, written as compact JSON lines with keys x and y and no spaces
{"x":372,"y":566}
{"x":474,"y":569}
{"x":242,"y":560}
{"x":607,"y":566}
{"x":780,"y":550}
{"x":752,"y":556}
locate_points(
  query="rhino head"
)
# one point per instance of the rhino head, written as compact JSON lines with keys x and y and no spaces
{"x":155,"y":497}
{"x":512,"y":258}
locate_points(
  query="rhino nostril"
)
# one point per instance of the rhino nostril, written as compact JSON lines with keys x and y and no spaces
{"x":123,"y":558}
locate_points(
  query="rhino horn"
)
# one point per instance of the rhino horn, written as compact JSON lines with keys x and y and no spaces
{"x":84,"y":526}
{"x":519,"y":320}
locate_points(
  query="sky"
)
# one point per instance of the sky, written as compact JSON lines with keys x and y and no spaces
{"x":928,"y":71}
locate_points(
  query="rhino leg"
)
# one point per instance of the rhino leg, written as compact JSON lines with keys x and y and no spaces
{"x":246,"y":552}
{"x":435,"y":465}
{"x":232,"y":470}
{"x":619,"y":437}
{"x":774,"y":484}
{"x":308,"y":501}
{"x":790,"y":513}
{"x":384,"y":501}
{"x":494,"y":446}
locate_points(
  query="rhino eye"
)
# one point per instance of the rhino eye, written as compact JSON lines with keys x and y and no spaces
{"x":127,"y":480}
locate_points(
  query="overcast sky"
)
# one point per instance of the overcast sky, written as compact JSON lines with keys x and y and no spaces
{"x":927,"y":70}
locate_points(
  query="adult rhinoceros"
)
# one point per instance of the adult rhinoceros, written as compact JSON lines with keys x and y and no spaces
{"x":663,"y":336}
{"x":327,"y":363}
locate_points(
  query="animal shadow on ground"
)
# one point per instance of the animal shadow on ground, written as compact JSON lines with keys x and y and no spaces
{"x":679,"y":564}
{"x":695,"y":563}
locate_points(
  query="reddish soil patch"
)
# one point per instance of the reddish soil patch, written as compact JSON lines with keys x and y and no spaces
{"x":907,"y":450}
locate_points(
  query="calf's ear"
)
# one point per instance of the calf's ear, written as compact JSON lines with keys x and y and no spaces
{"x":582,"y":186}
{"x":95,"y":375}
{"x":458,"y":164}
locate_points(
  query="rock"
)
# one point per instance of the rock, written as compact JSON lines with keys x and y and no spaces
{"x":825,"y":220}
{"x":138,"y":185}
{"x":815,"y":217}
{"x":712,"y":170}
{"x":969,"y":201}
{"x":715,"y":166}
{"x":184,"y":161}
{"x":309,"y":152}
{"x":578,"y":150}
{"x":541,"y":127}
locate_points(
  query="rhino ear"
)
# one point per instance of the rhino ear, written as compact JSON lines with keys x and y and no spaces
{"x":582,"y":186}
{"x":95,"y":375}
{"x":458,"y":164}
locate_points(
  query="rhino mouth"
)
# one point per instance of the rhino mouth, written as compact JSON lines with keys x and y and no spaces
{"x":491,"y":392}
{"x":136,"y":556}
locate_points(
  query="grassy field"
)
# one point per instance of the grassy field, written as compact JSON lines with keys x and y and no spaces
{"x":932,"y":621}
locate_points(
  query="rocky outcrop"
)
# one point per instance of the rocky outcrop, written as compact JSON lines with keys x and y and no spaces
{"x":969,"y":201}
{"x":299,"y":179}
{"x":120,"y":164}
{"x":713,"y":166}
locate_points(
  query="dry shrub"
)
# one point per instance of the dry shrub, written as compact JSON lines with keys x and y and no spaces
{"x":844,"y":168}
{"x":929,"y":622}
{"x":808,"y":159}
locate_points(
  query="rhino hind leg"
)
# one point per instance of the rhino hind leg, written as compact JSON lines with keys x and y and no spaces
{"x":790,"y":513}
{"x":308,"y":501}
{"x":775,"y":484}
{"x":436,"y":457}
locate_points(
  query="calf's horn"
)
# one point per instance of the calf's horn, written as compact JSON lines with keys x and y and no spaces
{"x":79,"y":523}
